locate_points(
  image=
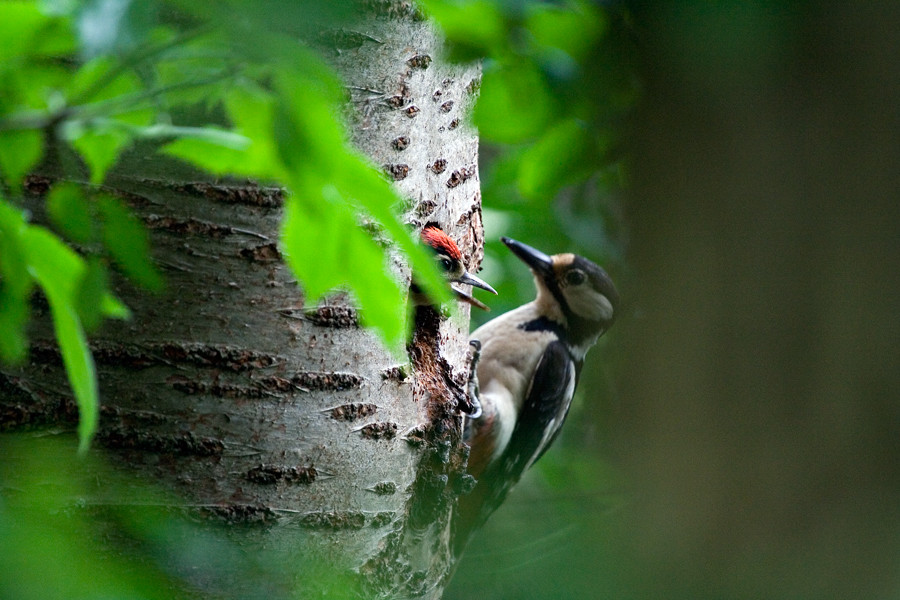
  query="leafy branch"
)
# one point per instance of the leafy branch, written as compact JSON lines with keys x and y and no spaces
{"x":281,"y":126}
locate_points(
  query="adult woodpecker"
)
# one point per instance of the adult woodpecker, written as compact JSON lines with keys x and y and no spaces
{"x":526,"y":372}
{"x":447,"y":253}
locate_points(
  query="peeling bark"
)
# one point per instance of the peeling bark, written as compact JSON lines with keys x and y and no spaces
{"x":256,"y":408}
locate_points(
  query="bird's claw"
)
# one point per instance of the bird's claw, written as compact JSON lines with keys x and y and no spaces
{"x":474,"y":404}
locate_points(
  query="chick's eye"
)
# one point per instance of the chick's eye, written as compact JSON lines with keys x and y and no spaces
{"x":575,"y":277}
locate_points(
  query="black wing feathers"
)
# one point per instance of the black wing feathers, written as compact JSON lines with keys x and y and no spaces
{"x":540,"y":420}
{"x":545,"y":408}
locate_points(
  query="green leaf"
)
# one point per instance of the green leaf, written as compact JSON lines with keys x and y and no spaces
{"x":57,"y":270}
{"x":190,"y":60}
{"x":101,"y":151}
{"x":70,"y":212}
{"x":26,"y":88}
{"x":515,"y":103}
{"x":307,"y":238}
{"x":378,"y":292}
{"x":113,"y":307}
{"x":125,"y":112}
{"x":252,"y":111}
{"x":366,"y":189}
{"x":20,"y":23}
{"x":80,"y":369}
{"x":91,"y":291}
{"x":93,"y":80}
{"x":99,"y":146}
{"x":94,"y":300}
{"x":319,"y":229}
{"x":25,"y":30}
{"x":312,"y":145}
{"x":107,"y":125}
{"x":126,"y":241}
{"x":307,"y":133}
{"x":215,"y":150}
{"x":55,"y":266}
{"x":32,"y":85}
{"x":215,"y":158}
{"x":248,"y":151}
{"x":20,"y":151}
{"x":15,"y":286}
{"x":14,"y":315}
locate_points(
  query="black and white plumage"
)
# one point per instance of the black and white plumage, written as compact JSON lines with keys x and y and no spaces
{"x":528,"y":366}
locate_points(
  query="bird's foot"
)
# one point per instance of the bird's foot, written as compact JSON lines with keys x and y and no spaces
{"x":474,"y":407}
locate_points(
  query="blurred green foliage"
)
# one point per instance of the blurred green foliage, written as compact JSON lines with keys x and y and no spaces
{"x":56,"y":548}
{"x":32,"y":255}
{"x":76,"y":527}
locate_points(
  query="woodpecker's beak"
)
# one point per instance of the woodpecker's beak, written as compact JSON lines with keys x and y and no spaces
{"x":469,"y":299}
{"x":469,"y":279}
{"x":538,"y":261}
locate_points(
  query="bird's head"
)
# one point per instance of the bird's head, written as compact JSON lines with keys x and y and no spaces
{"x":449,"y":258}
{"x":571,"y":289}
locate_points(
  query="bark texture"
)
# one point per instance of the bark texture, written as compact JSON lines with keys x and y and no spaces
{"x":288,"y":422}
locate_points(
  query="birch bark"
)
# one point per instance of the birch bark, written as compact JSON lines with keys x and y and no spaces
{"x":283,"y":420}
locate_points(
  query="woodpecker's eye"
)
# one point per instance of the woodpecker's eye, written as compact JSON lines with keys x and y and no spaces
{"x":446,"y":263}
{"x":575,"y":277}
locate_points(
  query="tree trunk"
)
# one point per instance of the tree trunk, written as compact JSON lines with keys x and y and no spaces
{"x":289,"y":422}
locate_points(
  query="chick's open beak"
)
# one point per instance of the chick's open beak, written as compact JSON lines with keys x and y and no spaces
{"x":469,"y":299}
{"x":470,"y":279}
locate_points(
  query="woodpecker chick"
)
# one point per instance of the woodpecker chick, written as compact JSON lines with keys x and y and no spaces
{"x":529,"y":364}
{"x":449,"y":258}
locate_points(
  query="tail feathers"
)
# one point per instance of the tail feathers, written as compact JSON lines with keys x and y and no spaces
{"x":474,"y":509}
